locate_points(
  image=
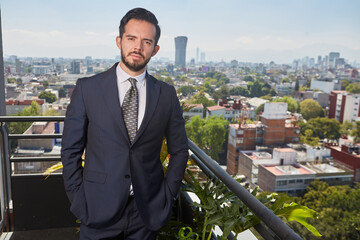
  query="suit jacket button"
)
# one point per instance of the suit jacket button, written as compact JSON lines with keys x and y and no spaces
{"x":127,"y":176}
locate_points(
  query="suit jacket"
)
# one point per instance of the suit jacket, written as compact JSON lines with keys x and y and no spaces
{"x":99,"y":191}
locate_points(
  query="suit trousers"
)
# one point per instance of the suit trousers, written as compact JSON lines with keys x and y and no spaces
{"x":129,"y":227}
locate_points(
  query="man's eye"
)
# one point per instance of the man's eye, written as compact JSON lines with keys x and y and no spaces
{"x":148,"y":42}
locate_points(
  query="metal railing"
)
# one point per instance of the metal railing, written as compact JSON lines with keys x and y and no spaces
{"x":272,"y":227}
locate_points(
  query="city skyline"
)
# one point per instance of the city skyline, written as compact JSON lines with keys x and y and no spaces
{"x":247,"y":31}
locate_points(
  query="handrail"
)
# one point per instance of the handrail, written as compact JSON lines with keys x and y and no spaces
{"x":207,"y":164}
{"x":260,"y":210}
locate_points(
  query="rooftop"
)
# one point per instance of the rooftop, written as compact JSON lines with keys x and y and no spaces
{"x":288,"y":170}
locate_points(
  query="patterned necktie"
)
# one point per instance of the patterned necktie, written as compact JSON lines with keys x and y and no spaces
{"x":130,"y":109}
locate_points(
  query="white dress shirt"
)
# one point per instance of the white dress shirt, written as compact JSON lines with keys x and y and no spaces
{"x":124,"y":85}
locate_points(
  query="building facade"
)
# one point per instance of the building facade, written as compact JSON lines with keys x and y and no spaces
{"x":180,"y":51}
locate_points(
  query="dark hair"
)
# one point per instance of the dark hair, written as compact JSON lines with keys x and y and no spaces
{"x":140,"y":14}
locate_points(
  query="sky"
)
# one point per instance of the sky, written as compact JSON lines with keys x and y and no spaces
{"x":244,"y":30}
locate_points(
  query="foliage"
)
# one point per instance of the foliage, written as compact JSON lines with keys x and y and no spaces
{"x":48,"y":96}
{"x":45,"y":84}
{"x":248,"y":79}
{"x":21,"y":127}
{"x":321,"y":128}
{"x":220,"y":77}
{"x":62,"y":93}
{"x":167,"y":79}
{"x":186,"y":90}
{"x":338,"y":209}
{"x":222,"y":93}
{"x":355,"y":132}
{"x":344,"y":83}
{"x":293,"y":105}
{"x":310,"y":108}
{"x":353,"y":87}
{"x":309,"y":139}
{"x":256,"y":89}
{"x":240,"y":91}
{"x":209,"y":134}
{"x":221,"y":207}
{"x":11,"y":80}
{"x":201,"y":98}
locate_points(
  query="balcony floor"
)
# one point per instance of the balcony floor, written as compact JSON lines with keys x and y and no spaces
{"x":48,"y":234}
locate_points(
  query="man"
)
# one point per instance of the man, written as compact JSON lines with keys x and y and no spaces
{"x":120,"y":117}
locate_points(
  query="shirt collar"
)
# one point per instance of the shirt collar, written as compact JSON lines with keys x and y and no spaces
{"x":123,"y":76}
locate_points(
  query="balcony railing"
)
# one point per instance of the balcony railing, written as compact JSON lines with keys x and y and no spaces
{"x":29,"y":202}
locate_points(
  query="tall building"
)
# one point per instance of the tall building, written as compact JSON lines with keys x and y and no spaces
{"x":332,"y":57}
{"x":197,"y":55}
{"x":75,"y":67}
{"x":344,"y":106}
{"x":180,"y":51}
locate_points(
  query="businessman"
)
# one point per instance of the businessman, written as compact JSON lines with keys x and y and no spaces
{"x":120,"y":117}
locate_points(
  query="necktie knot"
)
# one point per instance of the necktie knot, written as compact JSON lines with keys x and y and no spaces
{"x":132,"y":82}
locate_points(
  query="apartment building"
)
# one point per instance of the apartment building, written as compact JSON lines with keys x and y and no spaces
{"x":344,"y":106}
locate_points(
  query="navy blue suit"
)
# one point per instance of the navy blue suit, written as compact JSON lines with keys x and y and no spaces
{"x":99,"y":191}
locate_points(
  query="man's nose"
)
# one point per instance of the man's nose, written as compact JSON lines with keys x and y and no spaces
{"x":138,"y":45}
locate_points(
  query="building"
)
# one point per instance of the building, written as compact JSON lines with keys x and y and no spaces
{"x":36,"y":147}
{"x":196,"y":110}
{"x":228,"y":108}
{"x":325,"y":84}
{"x":347,"y":153}
{"x":75,"y":67}
{"x":321,"y":97}
{"x":344,"y":106}
{"x":180,"y":51}
{"x":332,"y":58}
{"x":273,"y":130}
{"x":286,"y":175}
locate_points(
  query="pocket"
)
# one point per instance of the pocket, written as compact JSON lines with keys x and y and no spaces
{"x":95,"y":177}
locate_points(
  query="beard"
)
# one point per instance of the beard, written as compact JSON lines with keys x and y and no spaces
{"x":134,"y":66}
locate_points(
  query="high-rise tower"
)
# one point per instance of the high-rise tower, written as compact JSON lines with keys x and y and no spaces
{"x":180,"y":51}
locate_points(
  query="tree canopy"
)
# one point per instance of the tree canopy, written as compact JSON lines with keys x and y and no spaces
{"x":186,"y":90}
{"x":353,"y":87}
{"x":208,"y":133}
{"x":240,"y":91}
{"x":48,"y":96}
{"x":201,"y":98}
{"x":338,"y":208}
{"x":310,"y":108}
{"x":321,"y":127}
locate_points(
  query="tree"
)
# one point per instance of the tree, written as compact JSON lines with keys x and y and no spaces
{"x":255,"y":89}
{"x":45,"y":84}
{"x":168,"y":80}
{"x":310,"y":108}
{"x":297,"y":86}
{"x":353,"y":88}
{"x":201,"y":98}
{"x":344,"y":84}
{"x":321,"y":128}
{"x":62,"y":93}
{"x":186,"y":90}
{"x":209,"y":134}
{"x":222,"y":93}
{"x":11,"y":80}
{"x":248,"y":79}
{"x":220,"y":77}
{"x":21,"y":127}
{"x":355,"y":132}
{"x":48,"y":96}
{"x":239,"y":91}
{"x":338,"y":209}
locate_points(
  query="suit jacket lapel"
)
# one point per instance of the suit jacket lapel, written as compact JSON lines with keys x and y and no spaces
{"x":111,"y":99}
{"x":152,"y":97}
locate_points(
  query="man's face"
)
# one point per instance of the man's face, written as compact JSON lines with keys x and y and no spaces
{"x":137,"y":46}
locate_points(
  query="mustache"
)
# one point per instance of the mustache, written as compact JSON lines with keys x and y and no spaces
{"x":139,"y":53}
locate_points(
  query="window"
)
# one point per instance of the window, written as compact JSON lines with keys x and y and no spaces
{"x":240,"y":140}
{"x":292,"y":181}
{"x":281,"y":183}
{"x":308,"y":181}
{"x":299,"y":181}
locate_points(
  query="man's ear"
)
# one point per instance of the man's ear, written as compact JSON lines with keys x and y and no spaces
{"x":118,"y":42}
{"x":156,"y":49}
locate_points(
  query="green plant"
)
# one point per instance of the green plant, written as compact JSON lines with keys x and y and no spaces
{"x":218,"y":206}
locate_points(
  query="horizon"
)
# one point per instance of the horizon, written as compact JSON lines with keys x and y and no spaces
{"x":245,"y":31}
